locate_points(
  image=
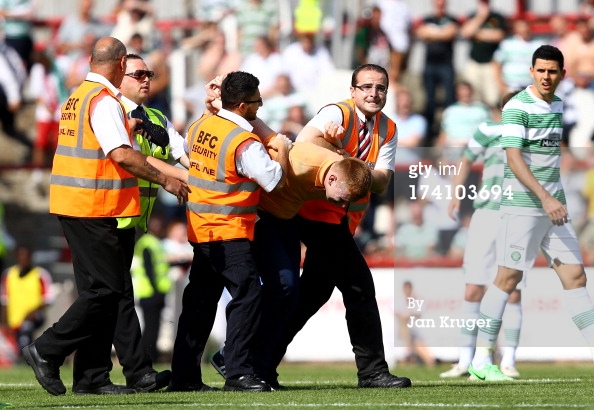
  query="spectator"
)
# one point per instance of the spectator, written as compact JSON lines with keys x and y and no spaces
{"x":485,"y":29}
{"x":264,"y":63}
{"x":438,"y":31}
{"x":48,"y":87}
{"x":136,"y":16}
{"x":416,"y":239}
{"x":26,"y":292}
{"x":435,"y":212}
{"x":579,"y":52}
{"x":255,"y":19}
{"x":18,"y":16}
{"x":371,"y":42}
{"x":215,"y":59}
{"x":460,"y":120}
{"x":275,"y":111}
{"x":412,"y":128}
{"x":13,"y":75}
{"x":396,"y":23}
{"x":410,"y":336}
{"x":512,"y":57}
{"x":76,"y":66}
{"x":74,"y":27}
{"x":306,"y":62}
{"x":150,"y":275}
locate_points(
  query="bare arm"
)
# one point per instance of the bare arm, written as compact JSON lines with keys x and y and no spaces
{"x":432,"y":32}
{"x":138,"y":165}
{"x":553,"y":207}
{"x":380,"y":178}
{"x":168,"y":170}
{"x":282,"y":145}
{"x":459,"y":179}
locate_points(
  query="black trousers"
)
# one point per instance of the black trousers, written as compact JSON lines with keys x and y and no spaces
{"x":128,"y":340}
{"x":151,"y":313}
{"x":278,"y":256}
{"x":216,"y":265}
{"x":88,"y":326}
{"x":333,"y":260}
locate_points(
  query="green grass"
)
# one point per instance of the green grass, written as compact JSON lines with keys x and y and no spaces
{"x":330,"y":386}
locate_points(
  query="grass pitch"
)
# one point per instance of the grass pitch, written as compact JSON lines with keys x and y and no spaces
{"x":331,"y":386}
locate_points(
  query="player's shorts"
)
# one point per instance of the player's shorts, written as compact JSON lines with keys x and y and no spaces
{"x":480,"y":256}
{"x":521,"y":236}
{"x":480,"y":262}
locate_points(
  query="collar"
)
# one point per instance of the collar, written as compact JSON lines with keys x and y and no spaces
{"x":237,"y":119}
{"x":362,"y":116}
{"x":128,"y":103}
{"x":98,"y":78}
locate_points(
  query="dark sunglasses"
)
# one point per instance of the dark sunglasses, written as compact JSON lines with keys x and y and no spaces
{"x":259,"y":101}
{"x":139,"y":74}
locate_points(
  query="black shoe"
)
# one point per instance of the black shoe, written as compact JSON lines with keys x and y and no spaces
{"x":218,"y":362}
{"x":189,"y":387}
{"x":277,"y":386}
{"x":107,"y":389}
{"x":151,"y":381}
{"x":247,"y":382}
{"x":384,"y":379}
{"x":46,"y":372}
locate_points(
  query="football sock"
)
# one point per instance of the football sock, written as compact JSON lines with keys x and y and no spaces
{"x":512,"y":322}
{"x":491,"y":310}
{"x":468,"y":337}
{"x":581,"y":310}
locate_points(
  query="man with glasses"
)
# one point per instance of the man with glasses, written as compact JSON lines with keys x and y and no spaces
{"x":228,"y":165}
{"x":156,"y":138}
{"x":360,"y":129}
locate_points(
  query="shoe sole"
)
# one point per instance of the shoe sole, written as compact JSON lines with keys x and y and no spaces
{"x":31,"y":363}
{"x":219,"y":369}
{"x":240,"y":389}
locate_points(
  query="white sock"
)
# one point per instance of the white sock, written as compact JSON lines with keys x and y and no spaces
{"x":512,"y":322}
{"x":580,"y":308}
{"x":491,"y":310}
{"x":468,"y":338}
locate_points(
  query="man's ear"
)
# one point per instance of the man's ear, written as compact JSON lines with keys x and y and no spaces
{"x":332,"y":178}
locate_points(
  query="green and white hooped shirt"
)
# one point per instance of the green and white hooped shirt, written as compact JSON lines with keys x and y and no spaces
{"x":486,"y":142}
{"x":536,"y":127}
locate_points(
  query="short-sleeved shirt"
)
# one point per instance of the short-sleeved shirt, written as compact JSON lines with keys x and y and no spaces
{"x":536,"y":127}
{"x":486,"y":142}
{"x":482,"y":51}
{"x":308,"y":165}
{"x":440,"y":51}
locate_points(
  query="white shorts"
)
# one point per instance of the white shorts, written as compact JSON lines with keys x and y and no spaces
{"x":521,"y":236}
{"x":480,"y":255}
{"x":480,"y":262}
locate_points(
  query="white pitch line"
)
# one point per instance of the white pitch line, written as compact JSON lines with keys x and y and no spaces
{"x":370,"y":405}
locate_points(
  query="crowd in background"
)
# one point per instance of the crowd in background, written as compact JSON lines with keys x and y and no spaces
{"x":435,"y":118}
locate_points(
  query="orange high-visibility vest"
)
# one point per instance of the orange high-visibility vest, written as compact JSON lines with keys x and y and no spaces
{"x":84,"y":182}
{"x":223,"y":203}
{"x":384,"y":130}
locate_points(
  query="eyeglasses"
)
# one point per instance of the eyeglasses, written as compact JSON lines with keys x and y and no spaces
{"x":259,"y":101}
{"x":140,"y":74}
{"x":367,"y":88}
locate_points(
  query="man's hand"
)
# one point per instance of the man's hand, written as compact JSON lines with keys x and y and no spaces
{"x":213,"y":94}
{"x":278,"y":141}
{"x":454,"y":208}
{"x":555,"y":210}
{"x":178,"y":188}
{"x":333,"y":133}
